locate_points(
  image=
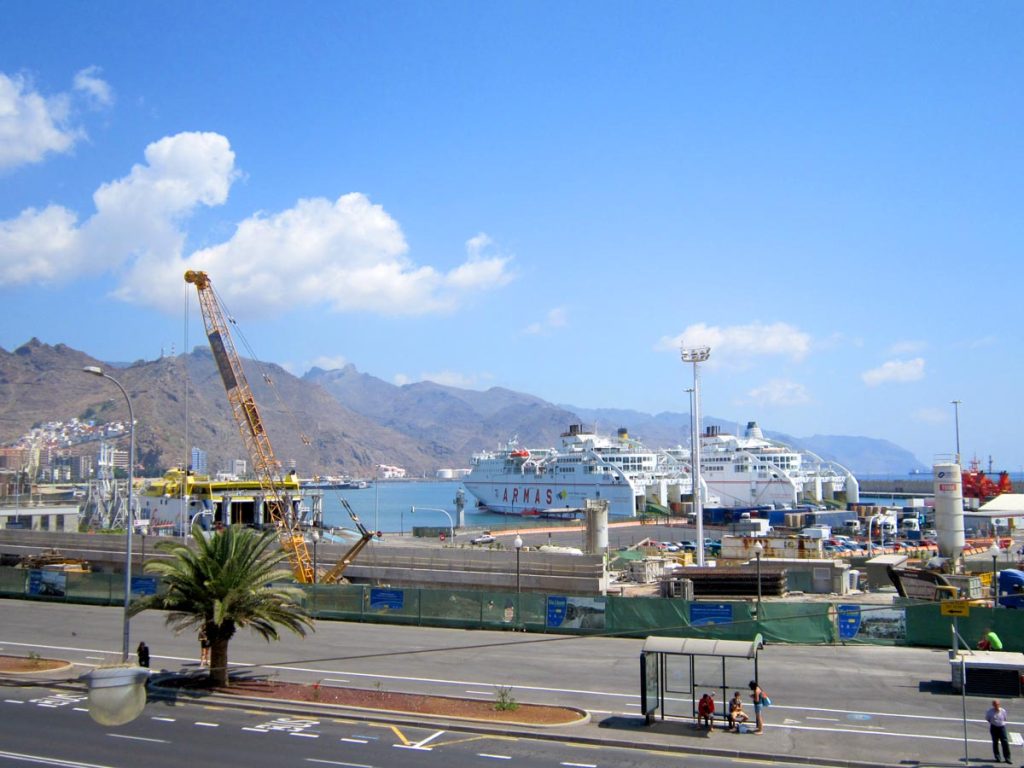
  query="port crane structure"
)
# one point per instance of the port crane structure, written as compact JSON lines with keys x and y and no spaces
{"x":265,"y":465}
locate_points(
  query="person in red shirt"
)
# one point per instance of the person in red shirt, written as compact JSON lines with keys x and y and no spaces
{"x":706,"y":711}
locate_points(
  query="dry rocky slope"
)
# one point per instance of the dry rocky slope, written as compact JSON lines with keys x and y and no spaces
{"x":327,"y":422}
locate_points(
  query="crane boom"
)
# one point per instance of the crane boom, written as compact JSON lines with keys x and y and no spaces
{"x":250,"y":426}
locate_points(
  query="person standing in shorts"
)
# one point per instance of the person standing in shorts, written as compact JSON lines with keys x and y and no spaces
{"x":204,"y":648}
{"x":757,"y":697}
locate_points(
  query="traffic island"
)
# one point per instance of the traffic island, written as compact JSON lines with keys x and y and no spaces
{"x":22,"y":665}
{"x":502,"y":709}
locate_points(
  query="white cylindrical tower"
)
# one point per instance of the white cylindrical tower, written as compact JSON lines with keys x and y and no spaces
{"x":949,"y":509}
{"x":597,"y":526}
{"x":852,"y":489}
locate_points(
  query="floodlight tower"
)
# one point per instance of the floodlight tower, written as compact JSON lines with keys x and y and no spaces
{"x":697,"y":355}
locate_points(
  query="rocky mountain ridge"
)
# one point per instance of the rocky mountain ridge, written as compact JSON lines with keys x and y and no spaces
{"x":339,"y":422}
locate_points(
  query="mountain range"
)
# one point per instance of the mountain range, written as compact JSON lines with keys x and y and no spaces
{"x":337,"y":422}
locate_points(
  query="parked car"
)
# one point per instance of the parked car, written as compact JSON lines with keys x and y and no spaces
{"x":484,"y":538}
{"x":688,"y":546}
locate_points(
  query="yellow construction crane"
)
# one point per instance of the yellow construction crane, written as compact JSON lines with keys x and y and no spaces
{"x":250,"y":426}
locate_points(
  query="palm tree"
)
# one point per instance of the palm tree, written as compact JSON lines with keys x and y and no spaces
{"x":222,"y":584}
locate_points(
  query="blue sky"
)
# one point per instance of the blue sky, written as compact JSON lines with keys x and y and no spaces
{"x":549,"y":197}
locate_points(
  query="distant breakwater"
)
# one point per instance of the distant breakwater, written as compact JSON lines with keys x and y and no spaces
{"x":875,"y":487}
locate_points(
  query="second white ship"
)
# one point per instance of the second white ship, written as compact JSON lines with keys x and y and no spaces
{"x":630,"y":477}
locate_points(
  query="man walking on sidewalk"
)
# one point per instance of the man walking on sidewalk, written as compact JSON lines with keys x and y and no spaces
{"x":996,"y":717}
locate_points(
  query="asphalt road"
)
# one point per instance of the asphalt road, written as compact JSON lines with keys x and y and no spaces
{"x":870,"y":703}
{"x":172,"y":735}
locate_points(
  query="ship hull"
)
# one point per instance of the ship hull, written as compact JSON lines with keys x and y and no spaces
{"x":528,"y":497}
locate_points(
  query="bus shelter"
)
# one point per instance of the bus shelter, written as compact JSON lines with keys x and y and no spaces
{"x":675,"y":672}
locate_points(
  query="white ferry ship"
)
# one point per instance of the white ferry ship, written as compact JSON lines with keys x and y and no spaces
{"x":752,"y":471}
{"x":629,"y":476}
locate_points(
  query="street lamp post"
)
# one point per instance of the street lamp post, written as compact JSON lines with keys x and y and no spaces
{"x":445,"y":512}
{"x":994,"y":551}
{"x":758,"y":551}
{"x":696,"y":355}
{"x":96,"y":371}
{"x":518,"y":544}
{"x":315,"y":535}
{"x":956,"y":418}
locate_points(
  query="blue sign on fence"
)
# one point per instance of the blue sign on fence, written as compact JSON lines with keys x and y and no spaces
{"x":143,"y":585}
{"x":556,"y":610}
{"x":387,"y":599}
{"x":48,"y":583}
{"x":710,"y":613}
{"x":848,"y":620}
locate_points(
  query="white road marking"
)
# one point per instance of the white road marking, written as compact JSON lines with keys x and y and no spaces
{"x":207,"y":725}
{"x":137,"y":738}
{"x":305,"y":735}
{"x":579,"y":765}
{"x":48,"y":760}
{"x":80,"y":709}
{"x":420,"y":744}
{"x":481,"y":693}
{"x":257,"y":730}
{"x":830,"y":719}
{"x":164,"y":719}
{"x":494,"y":757}
{"x":334,"y":680}
{"x":337,"y":762}
{"x":1015,"y":739}
{"x":354,"y":741}
{"x":13,"y":701}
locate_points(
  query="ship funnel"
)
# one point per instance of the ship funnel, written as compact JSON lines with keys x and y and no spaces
{"x":753,"y":430}
{"x":949,"y":509}
{"x":623,"y":433}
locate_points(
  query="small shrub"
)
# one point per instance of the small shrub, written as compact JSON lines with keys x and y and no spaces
{"x":504,"y":702}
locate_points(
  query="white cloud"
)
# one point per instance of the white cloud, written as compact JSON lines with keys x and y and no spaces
{"x":329,"y":363}
{"x":447,"y":379}
{"x":136,"y":217}
{"x":39,"y":246}
{"x":931,"y":415}
{"x":451,"y":379}
{"x":555,"y":318}
{"x":734,"y":343}
{"x":98,"y":91}
{"x":900,"y":371}
{"x":348,"y":253}
{"x":779,"y":392}
{"x":32,"y":125}
{"x":907,"y":348}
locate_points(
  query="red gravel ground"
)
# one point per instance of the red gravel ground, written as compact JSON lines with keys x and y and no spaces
{"x":13,"y":664}
{"x":411,"y":703}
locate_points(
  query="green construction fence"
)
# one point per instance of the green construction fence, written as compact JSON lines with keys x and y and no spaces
{"x":799,"y":622}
